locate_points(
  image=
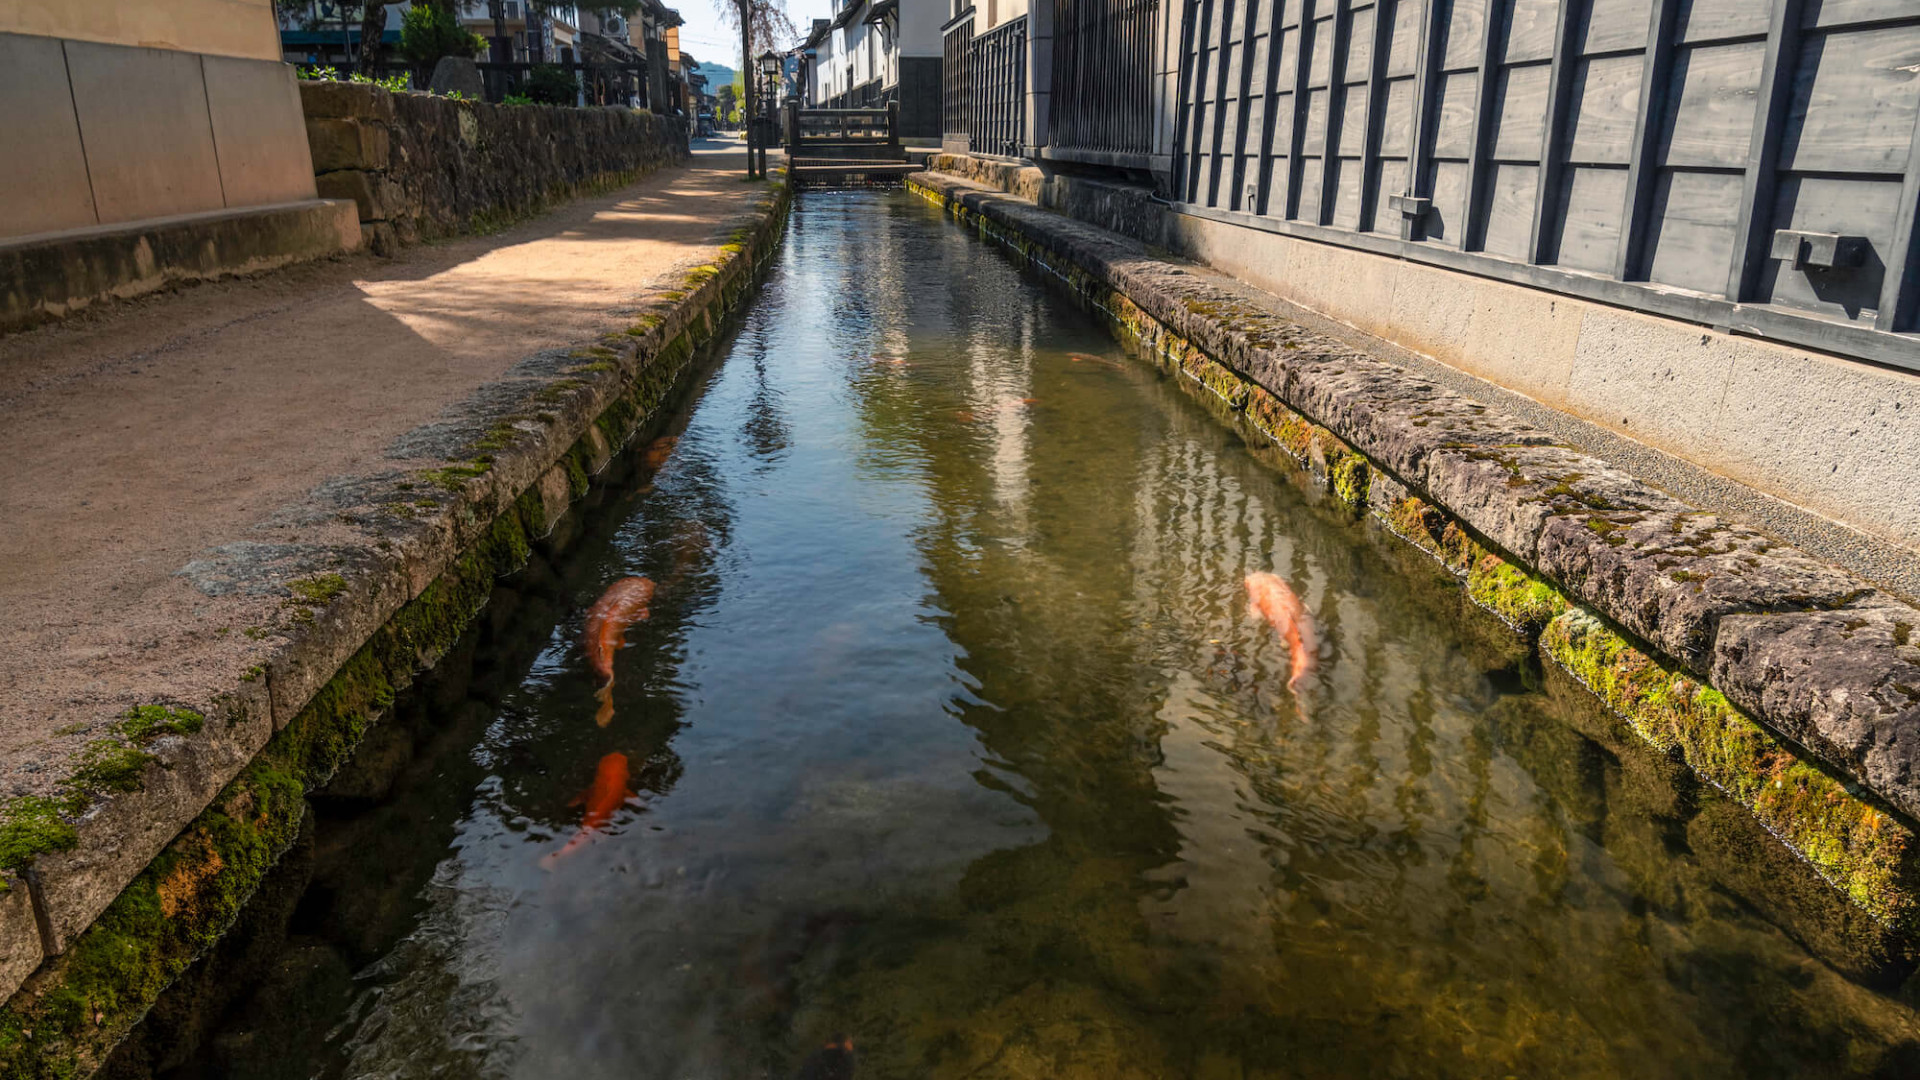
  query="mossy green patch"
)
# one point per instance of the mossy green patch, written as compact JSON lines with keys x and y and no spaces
{"x":317,"y":591}
{"x":31,"y":826}
{"x":1349,"y":474}
{"x":1861,"y":849}
{"x":1521,"y":600}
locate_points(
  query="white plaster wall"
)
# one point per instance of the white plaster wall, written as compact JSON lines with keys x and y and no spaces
{"x":1836,"y":436}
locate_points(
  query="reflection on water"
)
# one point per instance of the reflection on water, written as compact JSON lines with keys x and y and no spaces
{"x":949,"y":731}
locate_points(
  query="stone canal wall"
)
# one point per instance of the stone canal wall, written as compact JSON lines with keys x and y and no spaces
{"x":1790,"y":685}
{"x":116,"y":882}
{"x":420,"y":166}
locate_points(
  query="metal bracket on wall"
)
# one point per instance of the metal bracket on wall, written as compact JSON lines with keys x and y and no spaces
{"x":1412,"y":206}
{"x":1812,"y":250}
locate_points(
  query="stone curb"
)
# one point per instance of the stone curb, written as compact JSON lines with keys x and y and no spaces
{"x":154,"y":868}
{"x":1821,"y":657}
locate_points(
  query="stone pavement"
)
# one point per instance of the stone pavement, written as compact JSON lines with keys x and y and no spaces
{"x":144,"y":436}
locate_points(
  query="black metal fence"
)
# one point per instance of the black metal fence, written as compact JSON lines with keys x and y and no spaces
{"x":956,"y":108}
{"x":1102,"y":98}
{"x":997,"y":85}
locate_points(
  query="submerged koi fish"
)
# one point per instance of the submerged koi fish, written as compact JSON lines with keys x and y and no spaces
{"x":1273,"y":600}
{"x":833,"y":1061}
{"x":1083,"y":358}
{"x":623,"y":604}
{"x":607,"y":795}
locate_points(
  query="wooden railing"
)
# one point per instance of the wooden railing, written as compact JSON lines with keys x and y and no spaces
{"x":1102,"y":100}
{"x":808,"y":129}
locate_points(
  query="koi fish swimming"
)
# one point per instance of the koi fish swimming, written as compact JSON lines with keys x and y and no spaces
{"x":607,"y":795}
{"x":1083,"y":358}
{"x":1275,"y":601}
{"x":623,"y":604}
{"x":659,"y":450}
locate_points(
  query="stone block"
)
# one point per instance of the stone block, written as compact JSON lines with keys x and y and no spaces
{"x":20,"y":948}
{"x":1503,"y":493}
{"x":1659,"y":382}
{"x":370,"y":192}
{"x":348,"y":144}
{"x":1843,"y":683}
{"x":258,"y":131}
{"x":1522,"y":339}
{"x":44,"y":172}
{"x":1671,"y":575}
{"x":320,"y":100}
{"x":458,"y":74}
{"x":1433,"y":311}
{"x":1843,"y":441}
{"x":143,"y":119}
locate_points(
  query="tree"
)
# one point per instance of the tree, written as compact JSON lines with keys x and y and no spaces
{"x":373,"y":28}
{"x":761,"y":23}
{"x":724,"y":101}
{"x":431,"y":32}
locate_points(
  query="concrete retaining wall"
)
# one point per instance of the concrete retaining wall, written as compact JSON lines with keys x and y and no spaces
{"x":421,"y":167}
{"x":1789,"y":684}
{"x":1831,"y":435}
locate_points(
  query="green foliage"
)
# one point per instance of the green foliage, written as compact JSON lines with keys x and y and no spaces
{"x":455,"y":95}
{"x":319,"y":73}
{"x":551,"y":84}
{"x":516,"y":99}
{"x":392,"y":83}
{"x":430,"y":33}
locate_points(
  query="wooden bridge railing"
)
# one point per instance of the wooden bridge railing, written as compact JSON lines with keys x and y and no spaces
{"x":813,"y":128}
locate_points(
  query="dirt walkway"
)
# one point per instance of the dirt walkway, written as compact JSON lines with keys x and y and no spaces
{"x":144,"y":435}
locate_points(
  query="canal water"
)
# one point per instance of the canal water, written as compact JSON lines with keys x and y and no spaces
{"x":949,"y":735}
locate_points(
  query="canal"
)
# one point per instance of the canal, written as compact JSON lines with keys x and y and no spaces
{"x":948,"y":732}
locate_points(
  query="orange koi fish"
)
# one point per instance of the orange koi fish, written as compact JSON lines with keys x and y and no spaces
{"x":607,"y":795}
{"x":1083,"y":358}
{"x":623,"y":604}
{"x":1273,"y":600}
{"x":833,"y":1061}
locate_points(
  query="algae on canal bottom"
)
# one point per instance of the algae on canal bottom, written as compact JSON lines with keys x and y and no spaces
{"x":950,"y":732}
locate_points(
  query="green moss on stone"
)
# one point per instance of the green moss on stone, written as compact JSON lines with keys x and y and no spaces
{"x":1350,"y":476}
{"x":31,"y":826}
{"x":317,"y":591}
{"x":1521,"y":600}
{"x":1861,"y":849}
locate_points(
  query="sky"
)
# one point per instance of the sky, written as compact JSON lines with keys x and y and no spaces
{"x":709,"y":38}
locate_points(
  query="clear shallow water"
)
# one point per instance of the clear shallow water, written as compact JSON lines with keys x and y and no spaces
{"x":949,"y":731}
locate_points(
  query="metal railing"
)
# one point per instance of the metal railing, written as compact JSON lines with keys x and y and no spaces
{"x":811,"y":127}
{"x":956,"y":109}
{"x":997,"y":84}
{"x":1102,"y":97}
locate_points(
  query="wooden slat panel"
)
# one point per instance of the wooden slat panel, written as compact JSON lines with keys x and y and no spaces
{"x":1289,"y":59}
{"x":1316,"y":140}
{"x":1353,"y":122}
{"x":1530,"y":30}
{"x":1606,"y":98}
{"x":1705,"y":20}
{"x":1404,"y":44}
{"x":1656,"y":79}
{"x":1854,"y":101}
{"x":1389,"y":179}
{"x":1466,"y":26}
{"x":1590,"y":212}
{"x":1831,"y":13}
{"x":1310,"y":189}
{"x":1359,"y":47}
{"x":1691,"y":229}
{"x":1447,"y":221}
{"x":1522,"y":112}
{"x":1753,"y":235}
{"x":1616,"y":25}
{"x":1396,"y":122}
{"x":1322,"y":61}
{"x":1898,"y":294}
{"x":1709,"y":114}
{"x":1345,"y":193}
{"x":1510,"y":210}
{"x":1453,"y":130}
{"x":1866,"y":208}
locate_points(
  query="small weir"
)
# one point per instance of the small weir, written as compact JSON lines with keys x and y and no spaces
{"x":947,"y":734}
